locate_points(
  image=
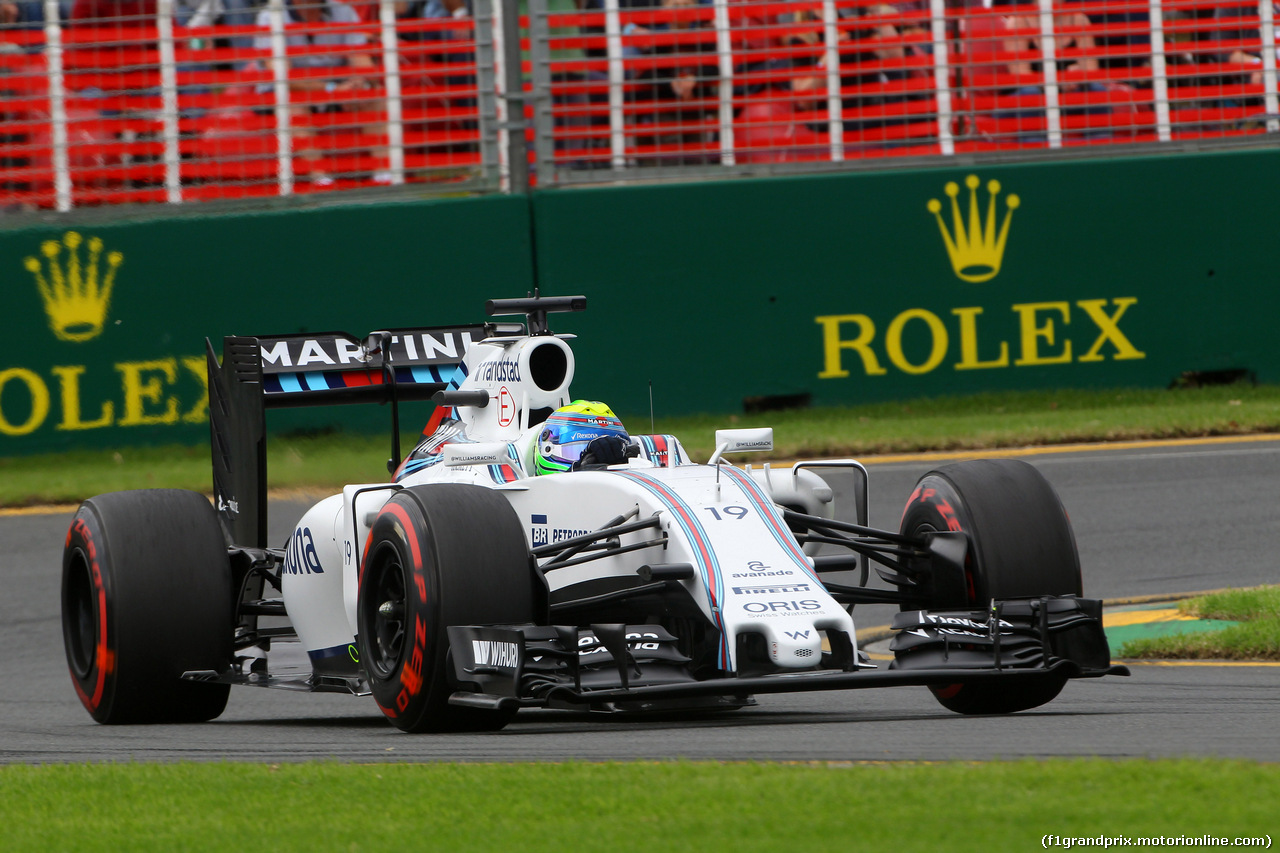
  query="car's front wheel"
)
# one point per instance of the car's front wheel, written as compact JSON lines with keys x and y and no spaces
{"x":438,"y":555}
{"x":1020,"y":546}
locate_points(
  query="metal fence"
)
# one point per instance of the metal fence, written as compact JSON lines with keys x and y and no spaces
{"x":300,"y":99}
{"x":221,"y":99}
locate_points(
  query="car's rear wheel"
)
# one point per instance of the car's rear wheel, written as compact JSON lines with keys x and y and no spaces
{"x":438,"y":555}
{"x":1020,"y":546}
{"x":146,"y":596}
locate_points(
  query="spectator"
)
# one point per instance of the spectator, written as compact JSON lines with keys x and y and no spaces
{"x":350,"y":67}
{"x":1127,"y":35}
{"x":1235,"y":26}
{"x":231,"y":13}
{"x":121,"y":25}
{"x":754,"y":49}
{"x":1024,"y":41}
{"x":320,"y":12}
{"x":1078,"y":69}
{"x":682,"y":98}
{"x":102,"y":14}
{"x":882,"y":60}
{"x":28,"y":14}
{"x":871,"y":56}
{"x":1183,"y":55}
{"x":436,"y":10}
{"x":419,"y":60}
{"x":569,"y":76}
{"x":446,"y":9}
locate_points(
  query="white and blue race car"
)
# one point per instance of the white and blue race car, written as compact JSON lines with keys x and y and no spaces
{"x":471,"y":585}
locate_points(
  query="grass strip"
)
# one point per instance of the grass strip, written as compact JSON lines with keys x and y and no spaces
{"x":670,"y":806}
{"x":322,"y":463}
{"x":1257,"y":638}
{"x":981,"y":421}
{"x":1004,"y":419}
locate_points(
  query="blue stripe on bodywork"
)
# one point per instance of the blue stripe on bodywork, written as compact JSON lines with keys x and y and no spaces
{"x":414,"y":465}
{"x":343,"y":650}
{"x":708,"y":564}
{"x":772,"y":519}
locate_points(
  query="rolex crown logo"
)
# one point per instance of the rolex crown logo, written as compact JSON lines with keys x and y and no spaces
{"x":76,"y":295}
{"x":976,"y":251}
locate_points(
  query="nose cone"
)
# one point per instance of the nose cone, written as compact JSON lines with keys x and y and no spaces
{"x":796,"y":647}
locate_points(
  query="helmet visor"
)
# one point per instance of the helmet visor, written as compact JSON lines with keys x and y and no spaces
{"x":565,"y":442}
{"x":572,"y":451}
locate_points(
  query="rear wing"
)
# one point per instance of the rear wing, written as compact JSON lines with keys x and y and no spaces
{"x":329,"y":368}
{"x":333,"y":368}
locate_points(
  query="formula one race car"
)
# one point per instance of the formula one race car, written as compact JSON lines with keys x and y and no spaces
{"x":530,"y":553}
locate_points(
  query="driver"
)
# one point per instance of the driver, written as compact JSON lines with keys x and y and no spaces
{"x":582,"y":434}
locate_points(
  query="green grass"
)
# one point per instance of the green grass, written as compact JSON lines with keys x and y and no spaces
{"x":1257,"y":638}
{"x":983,"y":421}
{"x":1259,"y":602}
{"x":321,"y":463}
{"x":1005,"y":419}
{"x":669,"y":806}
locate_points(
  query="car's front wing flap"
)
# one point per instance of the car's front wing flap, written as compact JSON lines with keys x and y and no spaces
{"x":1013,"y":634}
{"x":535,"y":666}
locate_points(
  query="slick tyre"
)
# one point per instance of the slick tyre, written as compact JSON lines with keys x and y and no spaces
{"x":438,"y":555}
{"x":1020,"y":546}
{"x":146,"y":596}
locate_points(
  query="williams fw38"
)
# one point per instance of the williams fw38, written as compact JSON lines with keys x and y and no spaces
{"x":531,"y":552}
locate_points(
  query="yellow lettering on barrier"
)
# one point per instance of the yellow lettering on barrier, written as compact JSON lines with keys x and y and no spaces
{"x":39,"y":401}
{"x":969,"y":342}
{"x":1032,"y":333}
{"x":1041,"y":330}
{"x":893,"y":341}
{"x":69,"y":383}
{"x":144,"y":386}
{"x":155,"y":391}
{"x":197,"y":367}
{"x":1108,"y":325}
{"x":832,"y":345}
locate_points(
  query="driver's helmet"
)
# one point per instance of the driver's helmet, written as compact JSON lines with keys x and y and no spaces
{"x":566,"y":433}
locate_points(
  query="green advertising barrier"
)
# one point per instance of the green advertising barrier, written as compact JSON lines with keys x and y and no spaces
{"x":889,"y":285}
{"x":105,"y":324}
{"x":845,"y":288}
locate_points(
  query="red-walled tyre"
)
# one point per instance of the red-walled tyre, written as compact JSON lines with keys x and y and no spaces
{"x":438,"y":555}
{"x":1020,"y":546}
{"x":146,"y":596}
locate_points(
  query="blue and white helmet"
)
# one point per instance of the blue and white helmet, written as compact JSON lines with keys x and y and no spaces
{"x":568,"y":430}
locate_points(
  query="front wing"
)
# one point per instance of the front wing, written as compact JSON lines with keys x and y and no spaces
{"x":527,"y":666}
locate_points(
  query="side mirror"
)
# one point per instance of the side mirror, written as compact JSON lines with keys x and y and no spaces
{"x":741,"y":441}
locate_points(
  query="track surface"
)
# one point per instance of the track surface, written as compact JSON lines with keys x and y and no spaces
{"x":1149,"y":520}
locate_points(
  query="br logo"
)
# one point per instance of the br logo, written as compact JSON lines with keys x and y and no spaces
{"x":976,"y":249}
{"x":76,"y":291}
